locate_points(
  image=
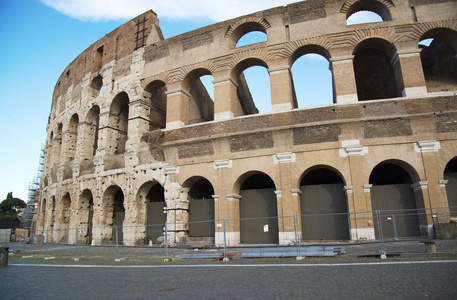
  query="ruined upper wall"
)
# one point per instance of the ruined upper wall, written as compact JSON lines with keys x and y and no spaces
{"x":116,"y":45}
{"x":213,"y":47}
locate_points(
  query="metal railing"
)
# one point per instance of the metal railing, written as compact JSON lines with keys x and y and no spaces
{"x":380,"y":232}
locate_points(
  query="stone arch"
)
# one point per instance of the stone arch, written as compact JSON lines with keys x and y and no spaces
{"x":72,"y":137}
{"x":152,"y":195}
{"x":96,"y":86}
{"x":258,"y":208}
{"x":299,"y":53}
{"x":84,"y":217}
{"x":42,"y":211}
{"x":64,"y":219}
{"x":380,"y":7}
{"x":57,"y":145}
{"x":244,"y":26}
{"x":450,"y":174}
{"x":201,"y":209}
{"x":248,"y":104}
{"x":91,"y":132}
{"x":155,"y":94}
{"x":392,"y":194}
{"x":439,"y":59}
{"x":201,"y":106}
{"x":118,"y":123}
{"x":377,"y":71}
{"x":112,"y":213}
{"x":323,"y":204}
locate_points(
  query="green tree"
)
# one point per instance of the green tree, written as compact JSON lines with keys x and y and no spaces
{"x":11,"y":203}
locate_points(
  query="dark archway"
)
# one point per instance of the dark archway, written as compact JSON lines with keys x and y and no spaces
{"x":156,"y":217}
{"x":393,"y":197}
{"x":201,"y":210}
{"x":258,"y":210}
{"x":86,"y":213}
{"x":375,"y":74}
{"x":323,"y":205}
{"x":450,"y":174}
{"x":439,"y":59}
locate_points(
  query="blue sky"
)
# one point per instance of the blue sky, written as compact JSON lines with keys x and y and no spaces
{"x":38,"y":41}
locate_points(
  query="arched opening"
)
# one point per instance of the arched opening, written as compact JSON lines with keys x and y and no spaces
{"x":119,"y":215}
{"x":57,"y":145}
{"x":258,"y":209}
{"x":367,"y":11}
{"x":43,"y":215}
{"x":363,"y":17}
{"x":252,"y":37}
{"x":113,"y":213}
{"x":392,"y":195}
{"x":439,"y":59}
{"x":64,"y":225}
{"x":155,"y":207}
{"x":249,"y":33}
{"x":201,"y":211}
{"x":253,"y":91}
{"x":86,"y":213}
{"x":155,"y":95}
{"x":312,"y":77}
{"x":377,"y":74}
{"x":96,"y":87}
{"x":118,"y":120}
{"x":323,"y":205}
{"x":201,"y":105}
{"x":72,"y":137}
{"x":53,"y":212}
{"x":91,"y":132}
{"x":450,"y":174}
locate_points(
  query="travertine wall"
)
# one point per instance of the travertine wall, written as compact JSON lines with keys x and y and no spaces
{"x":124,"y":119}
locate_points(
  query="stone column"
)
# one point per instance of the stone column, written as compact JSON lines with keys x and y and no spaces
{"x":286,"y":207}
{"x":106,"y":135}
{"x":232,"y":227}
{"x":138,"y":123}
{"x":177,"y":108}
{"x":360,"y":227}
{"x":282,"y":89}
{"x":225,"y":208}
{"x":410,"y":69}
{"x":421,"y":195}
{"x":344,"y":79}
{"x":225,"y":99}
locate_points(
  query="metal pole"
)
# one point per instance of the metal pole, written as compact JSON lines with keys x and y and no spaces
{"x":395,"y":227}
{"x":117,"y":250}
{"x":76,"y":242}
{"x":297,"y":236}
{"x":46,"y":254}
{"x":382,"y":252}
{"x":225,"y":241}
{"x":166,"y":241}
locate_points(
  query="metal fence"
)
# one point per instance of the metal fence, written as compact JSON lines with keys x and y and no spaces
{"x":377,"y":233}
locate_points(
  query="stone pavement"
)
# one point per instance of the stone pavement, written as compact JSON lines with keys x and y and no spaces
{"x":145,"y":253}
{"x":358,"y":279}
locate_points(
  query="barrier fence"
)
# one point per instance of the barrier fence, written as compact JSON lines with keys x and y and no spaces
{"x":380,"y":232}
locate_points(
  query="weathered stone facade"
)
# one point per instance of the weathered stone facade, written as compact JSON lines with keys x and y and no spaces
{"x":133,"y":132}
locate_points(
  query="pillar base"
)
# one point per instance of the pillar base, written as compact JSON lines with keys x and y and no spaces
{"x":231,"y":238}
{"x":367,"y":234}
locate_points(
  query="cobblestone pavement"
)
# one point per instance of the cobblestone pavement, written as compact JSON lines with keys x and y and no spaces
{"x":359,"y":279}
{"x":158,"y":253}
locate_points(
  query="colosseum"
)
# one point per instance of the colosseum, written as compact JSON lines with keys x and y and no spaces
{"x":135,"y":139}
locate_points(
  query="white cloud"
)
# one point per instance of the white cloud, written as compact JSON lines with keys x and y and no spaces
{"x":216,"y":10}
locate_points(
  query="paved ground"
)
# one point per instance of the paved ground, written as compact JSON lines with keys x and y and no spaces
{"x":144,"y":275}
{"x":158,"y":253}
{"x":363,"y":279}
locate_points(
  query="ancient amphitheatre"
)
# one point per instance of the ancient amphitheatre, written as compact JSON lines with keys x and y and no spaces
{"x":134,"y":138}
